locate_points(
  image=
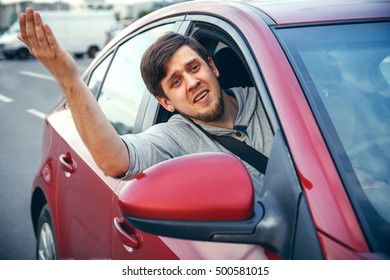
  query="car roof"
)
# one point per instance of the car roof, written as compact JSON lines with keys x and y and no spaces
{"x":277,"y":12}
{"x":281,"y":12}
{"x":273,"y":12}
{"x":284,"y":12}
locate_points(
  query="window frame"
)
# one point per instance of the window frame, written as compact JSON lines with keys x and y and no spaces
{"x":146,"y":96}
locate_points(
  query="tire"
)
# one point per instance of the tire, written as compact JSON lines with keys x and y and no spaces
{"x":23,"y":54}
{"x":9,"y":56}
{"x":92,"y":52}
{"x":46,"y":242}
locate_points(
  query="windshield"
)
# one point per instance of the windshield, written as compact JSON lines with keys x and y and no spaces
{"x":345,"y":73}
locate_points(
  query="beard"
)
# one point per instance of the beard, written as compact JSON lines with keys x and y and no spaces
{"x":212,"y":115}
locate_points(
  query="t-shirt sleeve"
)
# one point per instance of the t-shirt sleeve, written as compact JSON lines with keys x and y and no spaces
{"x":148,"y":148}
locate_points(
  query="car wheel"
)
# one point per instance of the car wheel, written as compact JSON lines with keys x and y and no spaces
{"x":23,"y":53}
{"x":92,"y":52}
{"x":9,"y":56}
{"x":46,"y":242}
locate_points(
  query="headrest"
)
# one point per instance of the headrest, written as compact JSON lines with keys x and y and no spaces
{"x":232,"y":72}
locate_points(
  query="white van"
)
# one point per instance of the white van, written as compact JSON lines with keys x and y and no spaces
{"x":78,"y":32}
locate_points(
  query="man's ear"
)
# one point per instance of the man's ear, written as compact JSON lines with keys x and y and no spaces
{"x":165,"y":103}
{"x":213,"y":67}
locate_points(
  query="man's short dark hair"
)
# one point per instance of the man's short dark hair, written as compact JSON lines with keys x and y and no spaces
{"x":154,"y":60}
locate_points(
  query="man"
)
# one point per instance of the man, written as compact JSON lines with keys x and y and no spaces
{"x":178,"y":72}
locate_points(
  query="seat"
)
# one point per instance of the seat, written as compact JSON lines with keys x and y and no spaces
{"x":232,"y":72}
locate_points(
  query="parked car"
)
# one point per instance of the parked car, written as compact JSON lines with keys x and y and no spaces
{"x":322,"y":72}
{"x":78,"y":32}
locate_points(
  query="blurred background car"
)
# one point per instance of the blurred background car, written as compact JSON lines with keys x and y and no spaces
{"x":79,"y":32}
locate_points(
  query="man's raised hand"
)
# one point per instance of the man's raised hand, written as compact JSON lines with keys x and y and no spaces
{"x":42,"y":44}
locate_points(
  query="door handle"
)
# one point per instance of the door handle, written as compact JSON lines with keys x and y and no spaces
{"x":67,"y":163}
{"x":127,"y":234}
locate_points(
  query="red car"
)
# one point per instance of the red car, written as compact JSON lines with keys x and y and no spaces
{"x":322,"y":72}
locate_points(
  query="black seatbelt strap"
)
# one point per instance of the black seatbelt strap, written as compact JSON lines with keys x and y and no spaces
{"x":241,"y":149}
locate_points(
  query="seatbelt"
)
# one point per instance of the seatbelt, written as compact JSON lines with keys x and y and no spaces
{"x":241,"y":149}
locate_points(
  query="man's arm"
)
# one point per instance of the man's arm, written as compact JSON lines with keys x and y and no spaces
{"x":107,"y":148}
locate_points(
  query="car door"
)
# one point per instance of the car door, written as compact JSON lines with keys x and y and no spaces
{"x":123,"y":98}
{"x":84,"y":193}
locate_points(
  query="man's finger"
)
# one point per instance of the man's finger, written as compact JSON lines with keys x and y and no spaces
{"x":40,"y":33}
{"x":51,"y":39}
{"x":22,"y":24}
{"x":30,"y":30}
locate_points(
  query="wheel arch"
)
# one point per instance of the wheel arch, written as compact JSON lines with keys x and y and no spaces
{"x":38,"y":201}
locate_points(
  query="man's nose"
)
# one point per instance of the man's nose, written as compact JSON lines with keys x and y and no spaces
{"x":192,"y":81}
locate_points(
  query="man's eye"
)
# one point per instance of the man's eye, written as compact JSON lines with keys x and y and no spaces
{"x":175,"y":82}
{"x":195,"y":68}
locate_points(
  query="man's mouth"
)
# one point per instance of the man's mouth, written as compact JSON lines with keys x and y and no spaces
{"x":200,"y":96}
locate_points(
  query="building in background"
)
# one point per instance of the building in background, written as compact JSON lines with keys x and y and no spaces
{"x":125,"y":10}
{"x":10,"y":9}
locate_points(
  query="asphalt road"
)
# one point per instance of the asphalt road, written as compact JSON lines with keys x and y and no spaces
{"x":27,"y":94}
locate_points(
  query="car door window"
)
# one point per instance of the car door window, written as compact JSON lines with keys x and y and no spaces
{"x":121,"y":94}
{"x":98,"y":75}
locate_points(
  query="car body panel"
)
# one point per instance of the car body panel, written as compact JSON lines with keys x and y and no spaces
{"x":306,"y":12}
{"x":68,"y":193}
{"x":151,"y":247}
{"x":85,"y":194}
{"x":203,"y":250}
{"x":334,"y":250}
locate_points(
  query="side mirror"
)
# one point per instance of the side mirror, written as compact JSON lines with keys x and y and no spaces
{"x":207,"y":196}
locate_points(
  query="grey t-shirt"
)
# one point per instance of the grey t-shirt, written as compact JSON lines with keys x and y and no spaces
{"x":179,"y":136}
